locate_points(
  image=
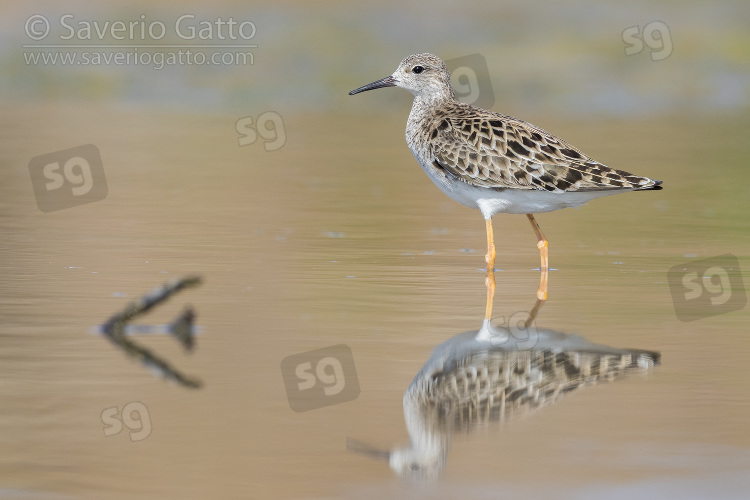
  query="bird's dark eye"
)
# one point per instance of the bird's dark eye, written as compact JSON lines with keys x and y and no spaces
{"x":417,"y":69}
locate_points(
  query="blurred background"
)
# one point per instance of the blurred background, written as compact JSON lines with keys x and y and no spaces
{"x":246,"y":162}
{"x":542,"y":58}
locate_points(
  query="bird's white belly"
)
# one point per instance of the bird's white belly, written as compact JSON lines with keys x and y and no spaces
{"x":531,"y":201}
{"x":508,"y":200}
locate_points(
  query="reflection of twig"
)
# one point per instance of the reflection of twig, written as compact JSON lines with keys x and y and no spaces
{"x":114,"y":329}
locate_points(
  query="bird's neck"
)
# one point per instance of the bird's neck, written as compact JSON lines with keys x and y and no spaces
{"x":424,"y":106}
{"x":434,"y":99}
{"x":421,"y":117}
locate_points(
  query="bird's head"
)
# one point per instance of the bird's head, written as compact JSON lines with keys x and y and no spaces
{"x":424,"y":75}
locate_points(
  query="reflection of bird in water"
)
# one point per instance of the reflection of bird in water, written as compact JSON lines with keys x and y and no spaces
{"x":472,"y":380}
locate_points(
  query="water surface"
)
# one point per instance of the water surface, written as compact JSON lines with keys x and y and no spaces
{"x":339,"y":238}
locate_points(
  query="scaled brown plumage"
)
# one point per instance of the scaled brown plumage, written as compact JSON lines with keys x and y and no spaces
{"x":498,"y":151}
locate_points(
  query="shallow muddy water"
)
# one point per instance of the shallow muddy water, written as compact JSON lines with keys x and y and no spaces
{"x":338,"y":238}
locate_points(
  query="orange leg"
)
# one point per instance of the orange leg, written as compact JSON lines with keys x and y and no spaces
{"x":490,"y":257}
{"x":543,"y":246}
{"x":489,"y":281}
{"x":542,"y":243}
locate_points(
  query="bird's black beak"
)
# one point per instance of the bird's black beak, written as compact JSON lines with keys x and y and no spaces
{"x":388,"y":81}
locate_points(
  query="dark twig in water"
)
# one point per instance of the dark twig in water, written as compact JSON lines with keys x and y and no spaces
{"x":114,"y":329}
{"x":182,"y":328}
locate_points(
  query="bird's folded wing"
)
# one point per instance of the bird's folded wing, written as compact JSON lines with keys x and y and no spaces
{"x":498,"y":151}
